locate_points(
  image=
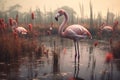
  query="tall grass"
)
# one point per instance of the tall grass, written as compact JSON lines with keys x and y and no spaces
{"x":11,"y":48}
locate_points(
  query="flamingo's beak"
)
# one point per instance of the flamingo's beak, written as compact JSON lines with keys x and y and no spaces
{"x":89,"y":34}
{"x":56,"y":18}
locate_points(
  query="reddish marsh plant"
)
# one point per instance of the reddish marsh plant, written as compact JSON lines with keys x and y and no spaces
{"x":30,"y":27}
{"x":32,"y":15}
{"x":108,"y":57}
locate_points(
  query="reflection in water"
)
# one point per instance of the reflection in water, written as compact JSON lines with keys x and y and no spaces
{"x":62,"y":66}
{"x":90,"y":55}
{"x":56,"y":65}
{"x":107,"y":72}
{"x":76,"y":71}
{"x":92,"y":60}
{"x":93,"y":76}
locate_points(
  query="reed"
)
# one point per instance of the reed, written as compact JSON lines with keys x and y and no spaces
{"x":13,"y":48}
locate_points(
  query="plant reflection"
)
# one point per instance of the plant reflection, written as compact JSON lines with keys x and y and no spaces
{"x":107,"y":73}
{"x":56,"y":66}
{"x":92,"y":60}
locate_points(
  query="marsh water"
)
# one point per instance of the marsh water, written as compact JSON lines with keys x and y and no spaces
{"x":60,"y":63}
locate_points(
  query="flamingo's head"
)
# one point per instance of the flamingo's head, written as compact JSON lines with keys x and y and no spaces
{"x":89,"y":35}
{"x":100,"y":29}
{"x":102,"y":26}
{"x":59,"y":13}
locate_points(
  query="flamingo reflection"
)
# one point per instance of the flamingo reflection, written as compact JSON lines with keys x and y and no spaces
{"x":76,"y":72}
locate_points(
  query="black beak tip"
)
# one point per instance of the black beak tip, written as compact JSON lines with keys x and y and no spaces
{"x":56,"y":18}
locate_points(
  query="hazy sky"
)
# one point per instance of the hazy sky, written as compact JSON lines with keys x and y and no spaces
{"x":98,"y":5}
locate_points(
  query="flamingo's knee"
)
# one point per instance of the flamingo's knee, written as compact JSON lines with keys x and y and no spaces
{"x":75,"y":55}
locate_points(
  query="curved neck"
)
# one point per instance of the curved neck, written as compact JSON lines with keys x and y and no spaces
{"x":14,"y":25}
{"x":61,"y":28}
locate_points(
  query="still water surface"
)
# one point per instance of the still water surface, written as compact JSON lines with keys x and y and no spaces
{"x":60,"y":65}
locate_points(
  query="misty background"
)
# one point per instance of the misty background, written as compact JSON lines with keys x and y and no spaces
{"x":43,"y":16}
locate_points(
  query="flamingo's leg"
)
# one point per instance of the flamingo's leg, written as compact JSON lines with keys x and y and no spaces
{"x":75,"y":50}
{"x":78,"y":54}
{"x":78,"y":50}
{"x":75,"y":70}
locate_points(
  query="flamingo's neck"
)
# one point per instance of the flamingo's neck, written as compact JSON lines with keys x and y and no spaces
{"x":61,"y":28}
{"x":14,"y":26}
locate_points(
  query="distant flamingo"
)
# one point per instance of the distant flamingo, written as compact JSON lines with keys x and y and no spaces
{"x":74,"y":32}
{"x":18,"y":29}
{"x":108,"y":28}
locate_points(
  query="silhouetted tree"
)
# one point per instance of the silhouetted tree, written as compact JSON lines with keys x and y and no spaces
{"x":91,"y":16}
{"x":39,"y":14}
{"x":99,"y":19}
{"x":81,"y":12}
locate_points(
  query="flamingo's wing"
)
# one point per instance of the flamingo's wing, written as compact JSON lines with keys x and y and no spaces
{"x":71,"y":34}
{"x":76,"y":31}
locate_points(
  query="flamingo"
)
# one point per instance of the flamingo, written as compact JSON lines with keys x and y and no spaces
{"x":18,"y":29}
{"x":74,"y":32}
{"x":108,"y":28}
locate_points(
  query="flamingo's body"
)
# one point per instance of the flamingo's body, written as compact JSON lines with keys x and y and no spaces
{"x":74,"y":32}
{"x":107,"y":28}
{"x":18,"y":29}
{"x":21,"y":30}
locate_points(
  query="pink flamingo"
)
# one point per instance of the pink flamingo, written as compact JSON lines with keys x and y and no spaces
{"x":74,"y":32}
{"x":109,"y":29}
{"x":18,"y":29}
